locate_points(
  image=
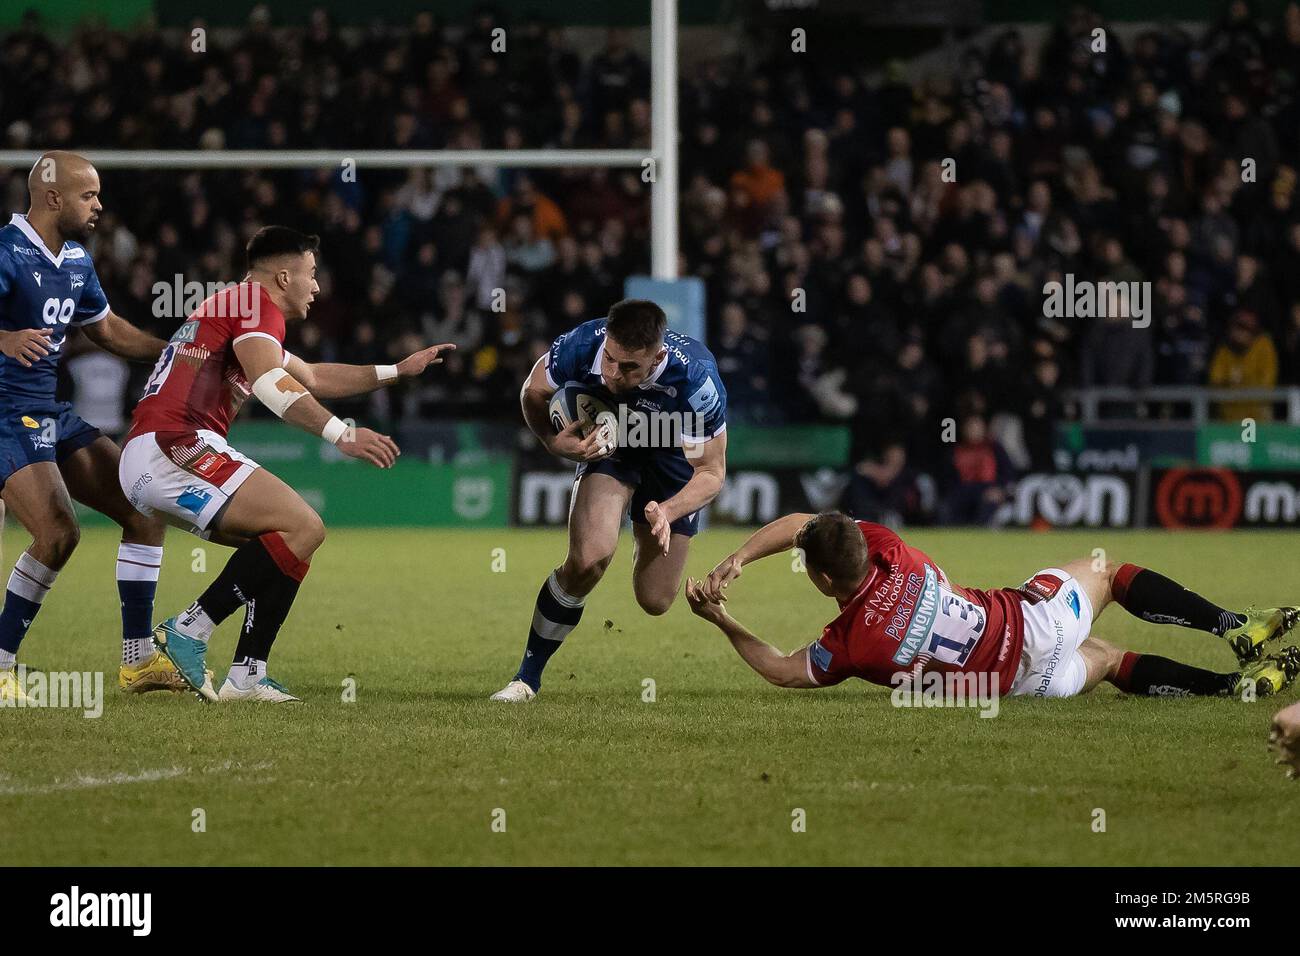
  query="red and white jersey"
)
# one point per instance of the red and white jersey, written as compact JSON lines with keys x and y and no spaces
{"x":198,"y":382}
{"x":908,"y":615}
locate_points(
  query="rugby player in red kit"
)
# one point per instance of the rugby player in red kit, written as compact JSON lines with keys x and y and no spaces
{"x":900,"y":617}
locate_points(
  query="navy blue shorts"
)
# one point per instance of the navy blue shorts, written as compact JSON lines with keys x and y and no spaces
{"x":41,"y":431}
{"x":656,"y":477}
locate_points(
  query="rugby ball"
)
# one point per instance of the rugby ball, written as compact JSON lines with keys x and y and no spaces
{"x":574,"y":403}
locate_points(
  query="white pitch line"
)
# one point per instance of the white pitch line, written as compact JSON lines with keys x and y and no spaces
{"x":88,"y":782}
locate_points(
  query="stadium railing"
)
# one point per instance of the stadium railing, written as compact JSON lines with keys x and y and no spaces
{"x":1199,"y":402}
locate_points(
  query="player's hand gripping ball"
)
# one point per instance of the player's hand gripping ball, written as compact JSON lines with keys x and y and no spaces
{"x":572,"y":404}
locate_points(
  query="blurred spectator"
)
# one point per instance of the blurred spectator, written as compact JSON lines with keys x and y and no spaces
{"x":979,"y":476}
{"x":883,"y":489}
{"x":1245,"y":359}
{"x":848,"y":279}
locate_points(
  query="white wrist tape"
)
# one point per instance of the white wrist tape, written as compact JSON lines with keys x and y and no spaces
{"x":277,"y":390}
{"x":334,"y":429}
{"x":386,"y":373}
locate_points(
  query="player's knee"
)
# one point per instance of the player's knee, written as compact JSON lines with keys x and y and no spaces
{"x":588,"y":566}
{"x":655,"y":604}
{"x":57,"y":539}
{"x":142,"y":530}
{"x":305,"y":534}
{"x":313,"y":530}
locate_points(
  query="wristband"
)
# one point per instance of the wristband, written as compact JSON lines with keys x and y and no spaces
{"x":334,"y":429}
{"x":385,"y":373}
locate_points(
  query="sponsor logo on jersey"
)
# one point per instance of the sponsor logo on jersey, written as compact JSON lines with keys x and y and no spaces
{"x":31,"y":422}
{"x":37,"y":276}
{"x":78,"y":279}
{"x":187,"y":332}
{"x":24,"y":250}
{"x":706,"y":398}
{"x":194,"y":498}
{"x":1041,"y":587}
{"x":206,"y":464}
{"x":920,"y":603}
{"x":73,"y":253}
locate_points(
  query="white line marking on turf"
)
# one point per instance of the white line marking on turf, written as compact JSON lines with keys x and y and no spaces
{"x":83,"y":781}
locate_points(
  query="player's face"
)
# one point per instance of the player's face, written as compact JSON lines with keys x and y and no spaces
{"x":625,"y":369}
{"x":299,"y":284}
{"x":79,"y":206}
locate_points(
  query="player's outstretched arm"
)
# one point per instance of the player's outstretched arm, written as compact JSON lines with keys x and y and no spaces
{"x":709,"y":460}
{"x":260,"y":356}
{"x":115,"y":334}
{"x":773,"y":538}
{"x":336,"y":380}
{"x":783,"y":670}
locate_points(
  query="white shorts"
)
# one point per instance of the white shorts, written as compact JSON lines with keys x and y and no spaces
{"x":187,"y":477}
{"x":1058,"y":618}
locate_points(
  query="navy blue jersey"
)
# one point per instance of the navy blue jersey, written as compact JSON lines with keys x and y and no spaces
{"x":686,"y":386}
{"x":42,"y":290}
{"x":686,"y":383}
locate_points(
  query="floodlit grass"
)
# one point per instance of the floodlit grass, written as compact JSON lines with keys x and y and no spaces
{"x":710,"y":772}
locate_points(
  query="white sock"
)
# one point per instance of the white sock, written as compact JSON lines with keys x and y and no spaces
{"x":247,"y":672}
{"x":137,"y":649}
{"x":30,"y":579}
{"x":194,"y":622}
{"x":137,"y":577}
{"x":6,"y":659}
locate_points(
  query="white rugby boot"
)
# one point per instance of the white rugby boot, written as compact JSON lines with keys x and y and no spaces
{"x":516,"y":692}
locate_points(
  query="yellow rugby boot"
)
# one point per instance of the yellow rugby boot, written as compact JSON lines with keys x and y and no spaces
{"x":1273,"y":674}
{"x":1262,"y":625}
{"x":11,"y":689}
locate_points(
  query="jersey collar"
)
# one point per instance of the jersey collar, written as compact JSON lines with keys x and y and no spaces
{"x":653,"y":377}
{"x":34,"y":237}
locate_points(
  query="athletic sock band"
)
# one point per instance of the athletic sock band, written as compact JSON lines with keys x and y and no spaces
{"x":555,"y":615}
{"x":138,"y":566}
{"x":29,"y":582}
{"x":30,"y":579}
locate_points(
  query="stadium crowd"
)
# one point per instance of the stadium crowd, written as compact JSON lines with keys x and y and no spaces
{"x":851,"y":275}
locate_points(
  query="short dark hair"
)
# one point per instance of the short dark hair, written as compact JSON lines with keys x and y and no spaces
{"x":272,"y":241}
{"x":832,"y":544}
{"x":636,"y":324}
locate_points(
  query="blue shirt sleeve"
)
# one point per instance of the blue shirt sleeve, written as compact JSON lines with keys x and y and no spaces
{"x":6,"y":273}
{"x":708,"y":401}
{"x":93,"y":304}
{"x":564,"y":358}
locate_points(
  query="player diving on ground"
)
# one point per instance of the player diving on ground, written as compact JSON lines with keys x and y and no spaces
{"x":48,"y":456}
{"x":178,"y":464}
{"x":900,"y":616}
{"x":628,"y":361}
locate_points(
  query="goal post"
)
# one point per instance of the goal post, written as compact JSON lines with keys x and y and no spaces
{"x":659,"y":163}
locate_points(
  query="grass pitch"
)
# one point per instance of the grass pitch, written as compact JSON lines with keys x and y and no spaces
{"x":416,"y":769}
